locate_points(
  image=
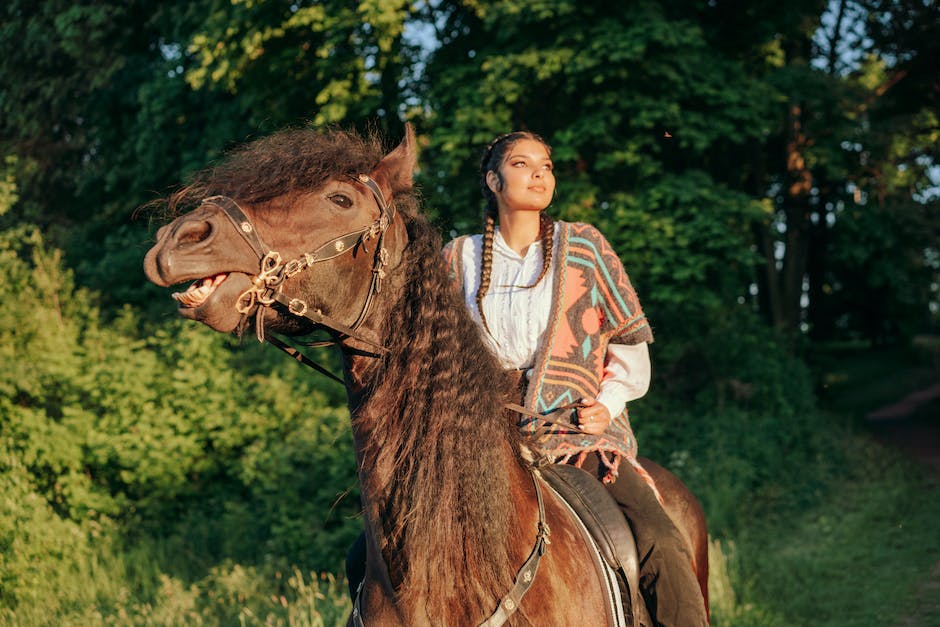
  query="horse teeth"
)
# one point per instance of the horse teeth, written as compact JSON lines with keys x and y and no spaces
{"x":199,"y":291}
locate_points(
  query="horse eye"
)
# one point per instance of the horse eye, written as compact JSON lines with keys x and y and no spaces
{"x":341,"y":200}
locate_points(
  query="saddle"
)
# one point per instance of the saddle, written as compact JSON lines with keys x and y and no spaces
{"x":608,"y":527}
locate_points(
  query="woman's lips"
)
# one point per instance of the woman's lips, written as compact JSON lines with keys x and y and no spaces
{"x":200,"y":291}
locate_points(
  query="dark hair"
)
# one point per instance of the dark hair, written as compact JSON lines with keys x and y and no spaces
{"x":492,"y":159}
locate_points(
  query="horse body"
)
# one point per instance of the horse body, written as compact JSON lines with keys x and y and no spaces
{"x":449,"y":504}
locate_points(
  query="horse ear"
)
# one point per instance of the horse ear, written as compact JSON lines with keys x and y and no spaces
{"x":394,"y":171}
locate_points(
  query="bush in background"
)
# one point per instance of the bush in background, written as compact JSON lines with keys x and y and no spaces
{"x":157,"y":442}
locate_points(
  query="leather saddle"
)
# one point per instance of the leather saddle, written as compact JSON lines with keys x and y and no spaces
{"x":607,"y":525}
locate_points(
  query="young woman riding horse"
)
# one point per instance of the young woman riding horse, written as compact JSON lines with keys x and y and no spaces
{"x":303,"y":231}
{"x":555,"y":305}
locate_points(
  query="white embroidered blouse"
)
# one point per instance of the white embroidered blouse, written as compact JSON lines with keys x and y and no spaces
{"x":518,"y":317}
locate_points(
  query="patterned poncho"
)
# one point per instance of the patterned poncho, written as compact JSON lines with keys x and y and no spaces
{"x":593,"y":304}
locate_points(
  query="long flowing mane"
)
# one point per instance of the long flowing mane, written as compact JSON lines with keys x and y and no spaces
{"x":437,"y":438}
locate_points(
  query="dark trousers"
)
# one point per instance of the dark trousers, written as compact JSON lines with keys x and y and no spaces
{"x":667,"y":582}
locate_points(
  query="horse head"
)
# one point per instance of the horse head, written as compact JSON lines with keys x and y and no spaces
{"x":286,"y":237}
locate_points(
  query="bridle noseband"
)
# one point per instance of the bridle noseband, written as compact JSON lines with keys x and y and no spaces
{"x":265,"y":288}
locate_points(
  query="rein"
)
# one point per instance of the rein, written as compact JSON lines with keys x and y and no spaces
{"x":549,"y":423}
{"x":265,"y":290}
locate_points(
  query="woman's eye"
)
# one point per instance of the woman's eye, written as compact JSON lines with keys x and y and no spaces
{"x":341,"y":200}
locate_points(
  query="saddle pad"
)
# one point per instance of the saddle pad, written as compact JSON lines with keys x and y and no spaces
{"x":600,"y":514}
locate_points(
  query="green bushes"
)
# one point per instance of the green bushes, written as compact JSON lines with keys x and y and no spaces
{"x":127,"y":439}
{"x":734,"y":415}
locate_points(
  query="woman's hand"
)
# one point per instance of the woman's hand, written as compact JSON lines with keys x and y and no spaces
{"x":593,"y":417}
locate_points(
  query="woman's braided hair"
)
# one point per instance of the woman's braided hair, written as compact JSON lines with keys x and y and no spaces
{"x":493,"y":157}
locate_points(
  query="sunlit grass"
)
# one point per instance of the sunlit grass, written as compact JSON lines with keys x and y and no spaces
{"x":129,"y":587}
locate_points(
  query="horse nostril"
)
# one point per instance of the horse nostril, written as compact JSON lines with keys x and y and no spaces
{"x":193,"y":232}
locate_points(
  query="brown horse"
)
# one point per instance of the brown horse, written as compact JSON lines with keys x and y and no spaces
{"x":451,"y":509}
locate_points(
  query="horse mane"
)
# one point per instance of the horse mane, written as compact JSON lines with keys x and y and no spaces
{"x":436,"y":446}
{"x":285,"y":163}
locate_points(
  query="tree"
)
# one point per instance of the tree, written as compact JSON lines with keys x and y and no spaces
{"x":841,"y":141}
{"x":646,"y":121}
{"x":107,"y":105}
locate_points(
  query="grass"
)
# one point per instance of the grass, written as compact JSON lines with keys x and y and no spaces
{"x":867,"y":552}
{"x":859,"y":558}
{"x":863,"y":549}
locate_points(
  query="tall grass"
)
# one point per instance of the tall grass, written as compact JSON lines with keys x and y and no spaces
{"x":107,"y":585}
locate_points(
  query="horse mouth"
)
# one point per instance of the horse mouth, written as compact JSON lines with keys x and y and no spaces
{"x":199,"y":292}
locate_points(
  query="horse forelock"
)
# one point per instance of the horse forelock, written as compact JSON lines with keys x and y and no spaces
{"x":440,"y":442}
{"x":286,"y":163}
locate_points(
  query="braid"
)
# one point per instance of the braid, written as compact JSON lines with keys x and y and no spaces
{"x":547,"y":236}
{"x":486,"y":264}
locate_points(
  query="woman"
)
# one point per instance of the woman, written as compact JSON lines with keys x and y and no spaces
{"x":554,"y":303}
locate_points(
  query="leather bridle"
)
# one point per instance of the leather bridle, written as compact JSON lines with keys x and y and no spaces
{"x":265,"y":290}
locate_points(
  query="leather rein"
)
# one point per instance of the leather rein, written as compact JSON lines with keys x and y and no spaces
{"x":265,"y":290}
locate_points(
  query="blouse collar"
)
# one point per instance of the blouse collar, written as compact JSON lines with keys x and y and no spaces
{"x":500,"y":245}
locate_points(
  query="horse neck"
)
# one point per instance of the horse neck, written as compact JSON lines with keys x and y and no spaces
{"x":438,"y":464}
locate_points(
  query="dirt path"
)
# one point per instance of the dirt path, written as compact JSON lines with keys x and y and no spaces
{"x":912,"y":425}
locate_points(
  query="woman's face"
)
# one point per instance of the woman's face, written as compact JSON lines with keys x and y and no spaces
{"x":528,"y":183}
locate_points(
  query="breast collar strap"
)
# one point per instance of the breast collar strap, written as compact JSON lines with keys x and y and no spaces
{"x":525,"y":577}
{"x":265,"y":290}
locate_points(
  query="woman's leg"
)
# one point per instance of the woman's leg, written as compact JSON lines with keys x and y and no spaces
{"x":667,"y":581}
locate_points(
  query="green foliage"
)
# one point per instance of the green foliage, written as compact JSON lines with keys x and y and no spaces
{"x":735,"y":417}
{"x":626,"y":95}
{"x":337,"y":57}
{"x":146,"y":434}
{"x":880,"y":277}
{"x":684,"y":241}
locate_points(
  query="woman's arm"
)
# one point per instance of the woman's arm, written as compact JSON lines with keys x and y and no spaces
{"x":626,"y":375}
{"x":626,"y":378}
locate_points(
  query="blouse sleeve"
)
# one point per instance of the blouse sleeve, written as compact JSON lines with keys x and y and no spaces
{"x":626,"y":376}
